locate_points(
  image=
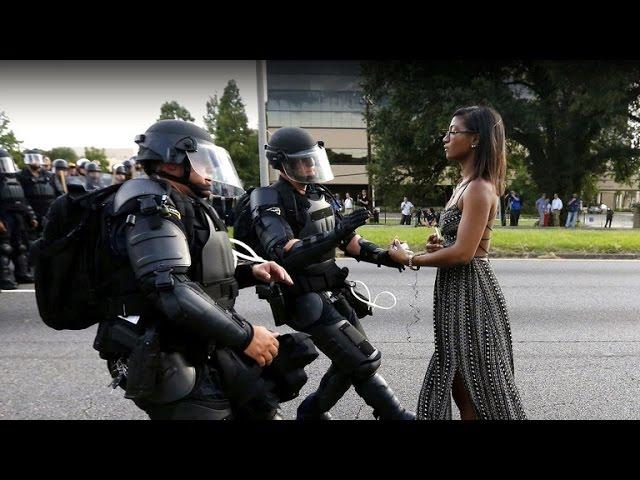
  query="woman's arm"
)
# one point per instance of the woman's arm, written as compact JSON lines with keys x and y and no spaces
{"x":478,"y":200}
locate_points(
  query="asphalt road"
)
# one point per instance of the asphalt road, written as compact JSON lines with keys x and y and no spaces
{"x":575,"y":326}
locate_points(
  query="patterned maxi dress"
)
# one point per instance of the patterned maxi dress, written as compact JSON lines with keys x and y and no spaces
{"x":473,"y":336}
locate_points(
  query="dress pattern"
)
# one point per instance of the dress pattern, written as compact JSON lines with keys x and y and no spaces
{"x":472,"y":336}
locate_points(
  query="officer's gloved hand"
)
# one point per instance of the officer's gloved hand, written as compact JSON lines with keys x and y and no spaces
{"x":352,"y":221}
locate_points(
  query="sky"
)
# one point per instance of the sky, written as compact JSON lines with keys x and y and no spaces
{"x":106,"y":103}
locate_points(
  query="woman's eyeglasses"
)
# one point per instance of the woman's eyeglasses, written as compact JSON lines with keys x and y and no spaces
{"x":451,"y":132}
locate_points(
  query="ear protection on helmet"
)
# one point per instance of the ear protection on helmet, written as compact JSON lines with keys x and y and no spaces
{"x":275,"y":158}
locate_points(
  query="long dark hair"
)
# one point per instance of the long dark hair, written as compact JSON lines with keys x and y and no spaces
{"x":491,"y":157}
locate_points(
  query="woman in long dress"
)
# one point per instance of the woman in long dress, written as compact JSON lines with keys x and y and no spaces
{"x":473,"y":358}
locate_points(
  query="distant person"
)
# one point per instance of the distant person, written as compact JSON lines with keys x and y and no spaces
{"x":432,"y":217}
{"x":573,"y":207}
{"x":547,"y":214}
{"x":348,"y":204}
{"x":556,"y":207}
{"x":609,"y":217}
{"x":59,"y":178}
{"x":515,"y":207}
{"x":541,"y":207}
{"x":363,"y":201}
{"x":336,"y":204}
{"x":119,"y":174}
{"x":46,"y":164}
{"x":81,"y":167}
{"x":405,"y":210}
{"x":72,"y":170}
{"x":93,"y":176}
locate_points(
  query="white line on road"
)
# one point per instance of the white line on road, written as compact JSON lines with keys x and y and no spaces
{"x":17,"y":291}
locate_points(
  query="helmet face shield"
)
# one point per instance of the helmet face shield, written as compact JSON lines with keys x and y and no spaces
{"x":7,"y":165}
{"x":308,"y":166}
{"x":33,"y":159}
{"x":214,"y":163}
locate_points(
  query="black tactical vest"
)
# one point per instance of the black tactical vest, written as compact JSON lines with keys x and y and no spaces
{"x":38,"y":191}
{"x":211,"y":252}
{"x":11,"y":194}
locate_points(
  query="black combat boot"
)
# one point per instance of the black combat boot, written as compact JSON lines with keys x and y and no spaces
{"x":377,"y":394}
{"x":22,"y":271}
{"x":332,"y":387}
{"x":6,"y":278}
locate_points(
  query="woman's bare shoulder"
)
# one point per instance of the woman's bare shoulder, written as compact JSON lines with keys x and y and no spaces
{"x":480,"y":187}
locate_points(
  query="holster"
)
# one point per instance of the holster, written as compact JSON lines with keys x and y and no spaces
{"x":272,"y":293}
{"x":143,"y":366}
{"x":116,"y":338}
{"x":361,"y":308}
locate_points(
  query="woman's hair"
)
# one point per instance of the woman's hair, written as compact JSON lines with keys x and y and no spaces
{"x":491,"y":158}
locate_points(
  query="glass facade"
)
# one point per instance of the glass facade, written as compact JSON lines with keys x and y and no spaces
{"x":319,"y":94}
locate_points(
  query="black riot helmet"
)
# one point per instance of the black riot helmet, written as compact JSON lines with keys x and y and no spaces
{"x":92,"y":167}
{"x":120,"y":169}
{"x":295,"y":152}
{"x":128,"y":165}
{"x":7,"y":165}
{"x":60,"y":164}
{"x":183,"y":143}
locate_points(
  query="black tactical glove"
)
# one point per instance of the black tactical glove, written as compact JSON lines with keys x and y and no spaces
{"x":350,"y":222}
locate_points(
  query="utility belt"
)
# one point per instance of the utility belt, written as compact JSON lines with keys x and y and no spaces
{"x":318,"y":279}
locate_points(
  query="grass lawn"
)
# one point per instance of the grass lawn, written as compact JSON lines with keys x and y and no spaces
{"x":524,"y":240}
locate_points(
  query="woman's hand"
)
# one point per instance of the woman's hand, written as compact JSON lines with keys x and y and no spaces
{"x":397,"y":253}
{"x":433,"y":243}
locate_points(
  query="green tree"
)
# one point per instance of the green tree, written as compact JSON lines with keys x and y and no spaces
{"x":211,"y":117}
{"x":573,"y":119}
{"x":173,"y":110}
{"x":67,"y":153}
{"x":9,"y":141}
{"x":226,"y":120}
{"x":97,"y":155}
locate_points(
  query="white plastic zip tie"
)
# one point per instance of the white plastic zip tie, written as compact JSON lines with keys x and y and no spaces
{"x":368,"y":302}
{"x":254,"y":256}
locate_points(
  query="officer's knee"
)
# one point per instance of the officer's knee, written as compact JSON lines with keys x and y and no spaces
{"x":348,"y":348}
{"x":5,"y":249}
{"x":308,"y":309}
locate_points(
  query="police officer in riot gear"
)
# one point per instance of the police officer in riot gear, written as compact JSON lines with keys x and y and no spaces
{"x":297,"y":227}
{"x":15,"y":215}
{"x":36,"y":183}
{"x":175,"y":270}
{"x":119,"y":174}
{"x":59,"y":179}
{"x":81,"y":167}
{"x":93,"y":176}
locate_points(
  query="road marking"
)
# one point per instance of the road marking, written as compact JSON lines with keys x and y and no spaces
{"x":17,"y":291}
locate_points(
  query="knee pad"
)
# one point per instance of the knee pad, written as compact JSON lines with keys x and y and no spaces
{"x":307,"y":310}
{"x":347,"y":348}
{"x":5,"y":249}
{"x":22,"y":248}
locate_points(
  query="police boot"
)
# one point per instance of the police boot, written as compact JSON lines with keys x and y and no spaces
{"x":332,"y":387}
{"x":6,"y":278}
{"x":377,"y":394}
{"x":22,"y":271}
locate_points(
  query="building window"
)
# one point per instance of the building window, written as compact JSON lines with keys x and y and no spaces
{"x":350,"y":156}
{"x":276,"y":118}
